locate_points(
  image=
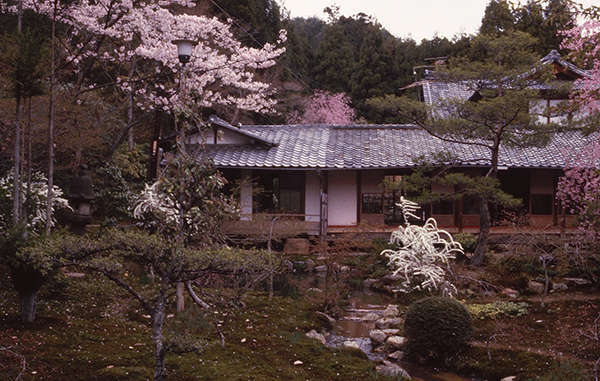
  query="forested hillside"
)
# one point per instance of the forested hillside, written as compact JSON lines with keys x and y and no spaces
{"x":356,"y":55}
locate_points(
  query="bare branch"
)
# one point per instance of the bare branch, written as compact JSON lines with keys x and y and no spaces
{"x":22,"y":357}
{"x":195,"y":297}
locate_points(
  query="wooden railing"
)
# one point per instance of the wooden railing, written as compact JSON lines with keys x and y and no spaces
{"x":284,"y":225}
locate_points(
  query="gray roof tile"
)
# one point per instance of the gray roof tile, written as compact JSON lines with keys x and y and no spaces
{"x":377,"y":146}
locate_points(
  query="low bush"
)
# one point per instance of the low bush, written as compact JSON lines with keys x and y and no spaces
{"x":468,"y":241}
{"x":496,"y":309}
{"x":437,"y":327}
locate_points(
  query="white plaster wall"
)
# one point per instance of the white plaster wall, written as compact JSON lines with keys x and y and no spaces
{"x":342,"y":198}
{"x":541,"y":182}
{"x":223,"y":137}
{"x":312,"y":197}
{"x":230,"y":137}
{"x":246,"y":196}
{"x":371,"y":181}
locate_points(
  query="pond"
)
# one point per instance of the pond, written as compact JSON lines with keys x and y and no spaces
{"x":353,"y":326}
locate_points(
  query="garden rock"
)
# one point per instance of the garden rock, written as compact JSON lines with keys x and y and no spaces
{"x":327,"y":320}
{"x":75,"y":275}
{"x":388,"y":323}
{"x":367,"y":283}
{"x":378,"y":336}
{"x":396,"y":356}
{"x":299,"y":266}
{"x":391,"y":331}
{"x":351,"y":345}
{"x":578,"y":281}
{"x":371,"y":316}
{"x":392,"y":370}
{"x":390,"y":278}
{"x":289,"y":265}
{"x":391,"y":311}
{"x":397,"y":342}
{"x":321,"y":269}
{"x":511,"y":293}
{"x":511,"y":378}
{"x":310,"y":265}
{"x":535,"y":287}
{"x":557,"y":287}
{"x":312,"y":334}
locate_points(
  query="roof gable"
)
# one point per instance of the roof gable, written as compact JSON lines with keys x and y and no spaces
{"x":234,"y":135}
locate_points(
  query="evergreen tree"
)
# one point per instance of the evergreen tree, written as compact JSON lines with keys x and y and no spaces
{"x":334,"y":58}
{"x":498,"y":18}
{"x":498,"y":114}
{"x":260,"y":19}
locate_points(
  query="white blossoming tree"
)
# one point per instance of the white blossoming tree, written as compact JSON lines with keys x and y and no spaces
{"x":28,"y":276}
{"x":422,"y":258}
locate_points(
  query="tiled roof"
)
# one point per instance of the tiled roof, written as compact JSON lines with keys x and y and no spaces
{"x":377,"y":146}
{"x":555,"y":57}
{"x":434,"y":91}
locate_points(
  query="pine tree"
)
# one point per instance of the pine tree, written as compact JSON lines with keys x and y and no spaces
{"x":498,"y":115}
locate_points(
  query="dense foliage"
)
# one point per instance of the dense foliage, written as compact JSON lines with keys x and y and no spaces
{"x":437,"y":327}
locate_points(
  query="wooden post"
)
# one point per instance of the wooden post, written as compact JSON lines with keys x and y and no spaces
{"x":323,"y":213}
{"x":358,"y":196}
{"x":180,"y":298}
{"x":246,"y":196}
{"x":459,"y":216}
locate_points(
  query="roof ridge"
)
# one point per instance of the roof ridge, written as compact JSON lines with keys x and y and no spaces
{"x":334,"y":126}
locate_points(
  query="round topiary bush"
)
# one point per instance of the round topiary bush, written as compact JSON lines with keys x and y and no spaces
{"x":437,"y":327}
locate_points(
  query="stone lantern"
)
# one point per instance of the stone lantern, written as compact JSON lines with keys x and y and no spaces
{"x":80,"y":197}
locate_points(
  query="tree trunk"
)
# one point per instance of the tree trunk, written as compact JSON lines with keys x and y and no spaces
{"x":50,"y":196}
{"x":29,"y":151}
{"x":158,"y":318}
{"x":180,"y":297}
{"x":17,"y":165}
{"x":27,"y":305}
{"x":484,"y":232}
{"x":130,"y":141}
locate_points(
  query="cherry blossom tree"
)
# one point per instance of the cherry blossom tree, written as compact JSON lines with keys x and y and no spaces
{"x":579,"y":188}
{"x":127,"y":46}
{"x":125,"y":34}
{"x":583,"y":41}
{"x":327,"y":108}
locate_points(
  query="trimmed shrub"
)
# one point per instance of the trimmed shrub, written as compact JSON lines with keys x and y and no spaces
{"x":468,"y":241}
{"x":437,"y":327}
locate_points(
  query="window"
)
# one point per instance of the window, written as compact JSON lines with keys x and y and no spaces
{"x":541,"y":204}
{"x":442,"y":207}
{"x":279,"y":193}
{"x":470,"y":205}
{"x":372,"y":203}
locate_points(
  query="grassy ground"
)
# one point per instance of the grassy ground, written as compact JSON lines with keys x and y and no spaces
{"x":89,"y":330}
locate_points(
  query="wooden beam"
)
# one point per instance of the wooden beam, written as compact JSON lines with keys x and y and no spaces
{"x":323,"y":215}
{"x":358,"y":196}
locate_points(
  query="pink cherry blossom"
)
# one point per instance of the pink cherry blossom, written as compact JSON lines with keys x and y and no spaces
{"x":325,"y":108}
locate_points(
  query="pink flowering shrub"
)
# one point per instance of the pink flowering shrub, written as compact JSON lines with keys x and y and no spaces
{"x":578,"y":189}
{"x":325,"y":108}
{"x":584,"y":43}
